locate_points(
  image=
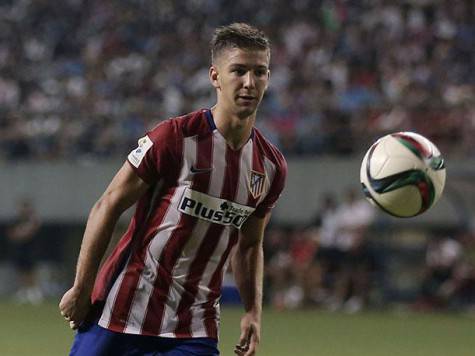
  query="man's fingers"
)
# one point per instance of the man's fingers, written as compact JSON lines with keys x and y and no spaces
{"x":245,"y":351}
{"x":251,"y":349}
{"x":243,"y":337}
{"x":65,"y":316}
{"x":251,"y":345}
{"x":250,"y":334}
{"x":242,"y":347}
{"x":246,"y":335}
{"x":73,"y":324}
{"x":245,"y":342}
{"x":240,"y":350}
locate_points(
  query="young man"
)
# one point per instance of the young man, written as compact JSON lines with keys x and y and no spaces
{"x":205,"y":184}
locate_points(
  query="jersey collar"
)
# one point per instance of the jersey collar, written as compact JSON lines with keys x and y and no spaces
{"x":212,"y":125}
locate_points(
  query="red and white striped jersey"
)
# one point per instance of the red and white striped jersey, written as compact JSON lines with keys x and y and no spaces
{"x":164,"y":276}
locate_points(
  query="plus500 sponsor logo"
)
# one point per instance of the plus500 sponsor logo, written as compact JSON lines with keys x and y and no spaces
{"x":213,"y":209}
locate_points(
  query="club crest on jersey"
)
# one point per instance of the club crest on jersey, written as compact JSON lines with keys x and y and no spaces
{"x":256,"y":184}
{"x":212,"y":209}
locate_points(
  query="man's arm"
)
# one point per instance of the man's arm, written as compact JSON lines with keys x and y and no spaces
{"x":123,"y":191}
{"x":247,"y":264}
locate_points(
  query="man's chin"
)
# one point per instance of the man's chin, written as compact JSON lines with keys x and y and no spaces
{"x":245,"y":111}
{"x":244,"y":114}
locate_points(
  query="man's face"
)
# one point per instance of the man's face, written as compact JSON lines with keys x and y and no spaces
{"x":241,"y":77}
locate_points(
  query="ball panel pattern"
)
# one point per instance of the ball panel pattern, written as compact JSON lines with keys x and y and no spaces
{"x":412,"y":177}
{"x":403,"y":173}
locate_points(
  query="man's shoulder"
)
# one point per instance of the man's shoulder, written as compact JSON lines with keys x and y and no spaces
{"x":191,"y":124}
{"x":269,"y":150}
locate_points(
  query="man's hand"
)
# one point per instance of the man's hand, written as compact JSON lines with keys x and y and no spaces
{"x":250,"y":335}
{"x":74,"y":307}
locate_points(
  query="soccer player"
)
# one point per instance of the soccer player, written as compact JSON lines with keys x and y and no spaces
{"x":205,"y":184}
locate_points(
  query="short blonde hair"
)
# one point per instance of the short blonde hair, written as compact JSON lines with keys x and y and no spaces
{"x":238,"y":35}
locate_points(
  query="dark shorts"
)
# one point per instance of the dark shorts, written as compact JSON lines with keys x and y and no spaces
{"x":22,"y":255}
{"x":330,"y":257}
{"x":94,"y":340}
{"x":362,"y":258}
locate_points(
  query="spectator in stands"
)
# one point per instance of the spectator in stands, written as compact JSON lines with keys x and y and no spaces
{"x":303,"y":246}
{"x":449,"y":278}
{"x":353,"y":282}
{"x":328,"y":258}
{"x":340,"y":69}
{"x":277,"y":266}
{"x":21,"y":235}
{"x":290,"y":276}
{"x":459,"y":292}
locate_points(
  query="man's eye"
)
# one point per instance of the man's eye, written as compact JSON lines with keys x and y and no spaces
{"x":261,"y":73}
{"x":239,"y":71}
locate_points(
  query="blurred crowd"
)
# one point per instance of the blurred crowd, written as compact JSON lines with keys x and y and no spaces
{"x":84,"y":79}
{"x":343,"y":262}
{"x":329,"y":262}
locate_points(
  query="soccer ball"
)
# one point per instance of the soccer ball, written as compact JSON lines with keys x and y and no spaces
{"x":403,"y":173}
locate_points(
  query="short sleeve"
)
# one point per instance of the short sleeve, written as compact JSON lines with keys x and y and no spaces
{"x":155,"y":154}
{"x":275,"y":191}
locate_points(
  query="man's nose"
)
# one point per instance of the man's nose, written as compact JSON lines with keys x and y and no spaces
{"x":249,"y":80}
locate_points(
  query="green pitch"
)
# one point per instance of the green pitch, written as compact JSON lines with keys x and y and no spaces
{"x":29,"y":330}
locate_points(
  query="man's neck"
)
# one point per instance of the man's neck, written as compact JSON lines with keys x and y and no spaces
{"x":235,"y":130}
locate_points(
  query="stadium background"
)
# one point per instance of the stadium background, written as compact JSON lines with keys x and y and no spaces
{"x":80,"y":81}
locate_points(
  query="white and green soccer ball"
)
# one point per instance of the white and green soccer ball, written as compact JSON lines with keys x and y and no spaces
{"x":403,"y":173}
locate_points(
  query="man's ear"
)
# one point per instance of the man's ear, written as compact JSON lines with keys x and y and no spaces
{"x":268,"y":78}
{"x":213,"y":76}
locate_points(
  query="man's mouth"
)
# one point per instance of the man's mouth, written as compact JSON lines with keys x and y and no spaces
{"x":246,"y":97}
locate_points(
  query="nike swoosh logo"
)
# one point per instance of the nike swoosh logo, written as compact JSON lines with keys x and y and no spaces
{"x":195,"y":170}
